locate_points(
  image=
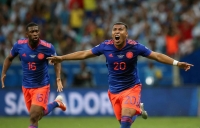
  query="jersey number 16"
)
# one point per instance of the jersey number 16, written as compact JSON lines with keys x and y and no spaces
{"x":31,"y":66}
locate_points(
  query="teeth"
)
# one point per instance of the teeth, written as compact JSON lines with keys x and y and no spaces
{"x":117,"y":36}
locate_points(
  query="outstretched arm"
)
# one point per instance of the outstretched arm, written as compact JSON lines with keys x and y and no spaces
{"x":168,"y":60}
{"x":6,"y":65}
{"x":80,"y":55}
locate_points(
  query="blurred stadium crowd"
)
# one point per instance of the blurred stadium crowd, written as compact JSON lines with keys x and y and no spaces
{"x":167,"y":26}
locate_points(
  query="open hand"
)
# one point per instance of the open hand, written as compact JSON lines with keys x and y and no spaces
{"x":59,"y":85}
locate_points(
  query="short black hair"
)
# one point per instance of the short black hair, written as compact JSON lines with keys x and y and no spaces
{"x":30,"y":25}
{"x":121,"y":23}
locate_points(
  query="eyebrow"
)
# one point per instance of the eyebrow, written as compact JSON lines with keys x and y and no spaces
{"x":33,"y":28}
{"x":119,"y":27}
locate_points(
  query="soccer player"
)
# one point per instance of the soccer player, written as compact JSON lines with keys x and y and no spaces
{"x":121,"y":59}
{"x":35,"y":84}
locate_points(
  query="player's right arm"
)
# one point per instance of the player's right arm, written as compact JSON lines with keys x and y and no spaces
{"x":8,"y":62}
{"x":80,"y":55}
{"x":6,"y":65}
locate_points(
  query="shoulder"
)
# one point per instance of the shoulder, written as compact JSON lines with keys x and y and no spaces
{"x":22,"y":41}
{"x":45,"y":44}
{"x":132,"y":42}
{"x":106,"y":43}
{"x":135,"y":44}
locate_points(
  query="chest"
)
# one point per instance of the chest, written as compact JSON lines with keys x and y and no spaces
{"x":121,"y":56}
{"x":29,"y":55}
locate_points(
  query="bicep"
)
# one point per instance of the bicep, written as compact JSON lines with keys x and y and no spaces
{"x":10,"y":57}
{"x":153,"y":55}
{"x":89,"y":54}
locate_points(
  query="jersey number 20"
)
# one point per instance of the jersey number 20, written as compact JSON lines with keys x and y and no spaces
{"x":119,"y":65}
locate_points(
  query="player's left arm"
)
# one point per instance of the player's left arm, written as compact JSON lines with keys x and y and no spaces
{"x":57,"y":68}
{"x":168,"y":60}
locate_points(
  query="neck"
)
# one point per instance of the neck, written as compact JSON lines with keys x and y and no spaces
{"x":121,"y":45}
{"x":33,"y":44}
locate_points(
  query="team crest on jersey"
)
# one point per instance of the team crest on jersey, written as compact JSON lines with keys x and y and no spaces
{"x":32,"y":56}
{"x":40,"y":56}
{"x":129,"y":55}
{"x":120,"y":56}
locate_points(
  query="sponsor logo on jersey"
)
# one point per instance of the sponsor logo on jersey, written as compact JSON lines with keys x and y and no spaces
{"x":40,"y":56}
{"x":129,"y":55}
{"x":32,"y":56}
{"x":120,"y":56}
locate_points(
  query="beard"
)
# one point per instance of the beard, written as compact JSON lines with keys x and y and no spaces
{"x":33,"y":42}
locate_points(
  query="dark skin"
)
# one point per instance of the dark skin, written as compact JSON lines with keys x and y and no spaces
{"x":33,"y":35}
{"x":36,"y":112}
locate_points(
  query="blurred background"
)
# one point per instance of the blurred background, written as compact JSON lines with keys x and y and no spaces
{"x":171,"y":27}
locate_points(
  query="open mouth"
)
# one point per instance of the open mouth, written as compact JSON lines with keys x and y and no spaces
{"x":35,"y":38}
{"x":117,"y":37}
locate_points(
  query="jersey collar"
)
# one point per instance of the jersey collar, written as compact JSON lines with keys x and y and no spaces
{"x":35,"y":47}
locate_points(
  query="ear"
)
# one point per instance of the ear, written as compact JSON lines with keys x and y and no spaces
{"x":126,"y":34}
{"x":26,"y":34}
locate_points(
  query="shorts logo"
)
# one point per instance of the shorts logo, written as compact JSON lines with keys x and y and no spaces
{"x":40,"y":56}
{"x":129,"y":55}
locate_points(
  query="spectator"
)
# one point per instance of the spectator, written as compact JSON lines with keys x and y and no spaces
{"x":84,"y":78}
{"x":172,"y":40}
{"x":76,"y":18}
{"x":152,"y":74}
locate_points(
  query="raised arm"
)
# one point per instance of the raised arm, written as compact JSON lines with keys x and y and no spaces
{"x":80,"y":55}
{"x":6,"y":65}
{"x":168,"y":60}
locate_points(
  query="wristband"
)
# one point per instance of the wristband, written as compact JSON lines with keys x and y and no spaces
{"x":175,"y":62}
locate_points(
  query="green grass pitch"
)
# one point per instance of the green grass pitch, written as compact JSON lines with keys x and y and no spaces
{"x":101,"y":122}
